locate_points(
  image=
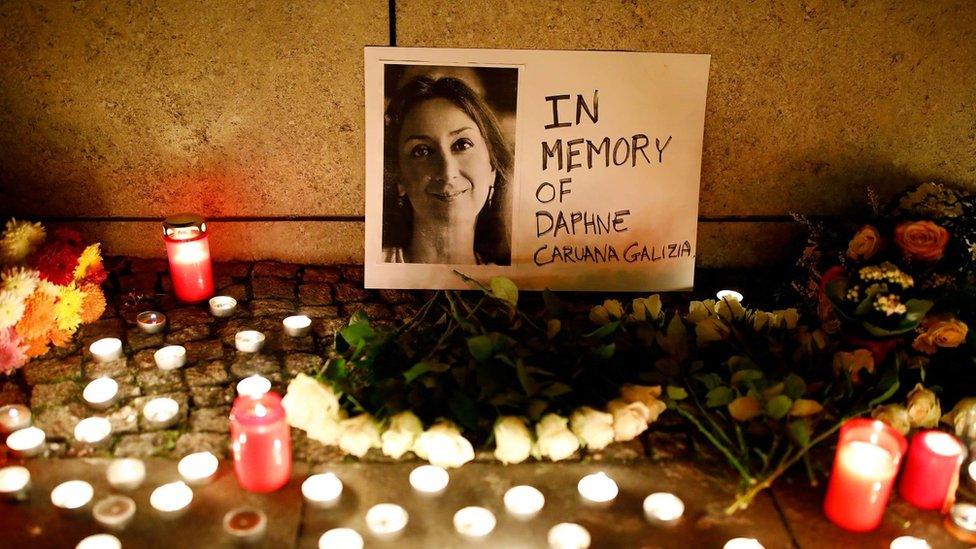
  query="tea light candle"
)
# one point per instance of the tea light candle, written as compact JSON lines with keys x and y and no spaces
{"x":151,"y":322}
{"x":931,"y":471}
{"x":170,"y":357}
{"x":100,"y":541}
{"x":114,"y":512}
{"x":161,"y":412}
{"x":909,"y":542}
{"x":474,"y":522}
{"x":597,"y":488}
{"x":731,"y":295}
{"x":14,"y":483}
{"x":341,"y":538}
{"x":222,"y":306}
{"x":101,"y":393}
{"x":26,"y":442}
{"x":429,"y":479}
{"x":386,"y":520}
{"x":14,"y":417}
{"x":72,"y":496}
{"x":106,"y":349}
{"x":297,"y":325}
{"x":524,"y":501}
{"x":964,"y":516}
{"x":249,"y":341}
{"x":322,"y":490}
{"x":198,"y":468}
{"x":663,"y":507}
{"x":93,"y":430}
{"x":743,"y":543}
{"x":568,"y":535}
{"x":253,"y":386}
{"x":126,"y":474}
{"x":245,"y":524}
{"x":171,"y":500}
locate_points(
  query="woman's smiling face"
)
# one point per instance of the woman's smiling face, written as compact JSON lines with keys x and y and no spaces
{"x":445,"y":168}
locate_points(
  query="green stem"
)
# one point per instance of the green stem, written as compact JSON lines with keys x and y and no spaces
{"x":746,"y":477}
{"x":708,"y":416}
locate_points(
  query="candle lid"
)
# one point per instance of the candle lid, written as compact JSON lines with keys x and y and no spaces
{"x":184,"y":225}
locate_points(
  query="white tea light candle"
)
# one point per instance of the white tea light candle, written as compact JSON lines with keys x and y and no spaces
{"x":114,"y":512}
{"x":249,"y":341}
{"x":170,"y":357}
{"x":386,"y":520}
{"x":731,"y":295}
{"x":151,"y":322}
{"x":26,"y":442}
{"x":568,"y":535}
{"x":245,"y":524}
{"x":253,"y":386}
{"x":93,"y":430}
{"x":743,"y":543}
{"x":429,"y":479}
{"x":161,"y":412}
{"x":597,"y":488}
{"x":964,"y":516}
{"x":474,"y":522}
{"x":171,"y":500}
{"x":663,"y":507}
{"x":297,"y":325}
{"x":14,"y":417}
{"x":73,"y":495}
{"x":198,"y":468}
{"x":909,"y":542}
{"x":341,"y":538}
{"x":322,"y":490}
{"x":222,"y":306}
{"x":100,"y":541}
{"x":14,"y":483}
{"x":101,"y":393}
{"x":106,"y":349}
{"x":126,"y":473}
{"x":524,"y":501}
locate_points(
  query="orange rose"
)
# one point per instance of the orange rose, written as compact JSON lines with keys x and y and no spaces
{"x":940,"y":331}
{"x":865,"y":244}
{"x":922,"y":240}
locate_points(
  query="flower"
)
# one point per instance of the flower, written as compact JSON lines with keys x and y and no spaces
{"x":630,"y":419}
{"x":648,"y":395}
{"x":932,"y":200}
{"x":730,"y":309}
{"x":36,"y":347}
{"x":19,"y":281}
{"x":12,"y":351}
{"x":853,"y":363}
{"x":513,"y":441}
{"x":646,"y":308}
{"x":963,"y":418}
{"x":711,"y":329}
{"x":11,"y":309}
{"x":610,"y":310}
{"x":443,"y":445}
{"x":93,"y":306}
{"x":787,"y":318}
{"x":59,"y":338}
{"x":593,"y":427}
{"x":921,"y":240}
{"x":865,"y":244}
{"x":923,"y":408}
{"x":67,"y":310}
{"x":38,"y":317}
{"x":314,"y":408}
{"x":400,"y":437}
{"x":895,"y":415}
{"x":358,"y":434}
{"x":20,"y":239}
{"x":700,"y":310}
{"x":55,"y":262}
{"x":943,"y":330}
{"x":554,"y":439}
{"x":89,"y":262}
{"x":744,"y":408}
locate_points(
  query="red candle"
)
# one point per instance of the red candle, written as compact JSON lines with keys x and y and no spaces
{"x":932,"y":470}
{"x":865,"y":466}
{"x":261,"y":441}
{"x":188,"y":250}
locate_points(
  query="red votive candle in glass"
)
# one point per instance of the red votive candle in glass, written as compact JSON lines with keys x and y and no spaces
{"x":188,"y":250}
{"x":865,"y":466}
{"x":931,"y":473}
{"x":261,"y":442}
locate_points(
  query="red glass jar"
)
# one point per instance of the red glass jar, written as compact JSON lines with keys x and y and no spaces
{"x":188,"y":250}
{"x":261,"y":442}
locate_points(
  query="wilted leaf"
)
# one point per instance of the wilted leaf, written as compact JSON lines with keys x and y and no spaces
{"x":604,"y":330}
{"x":744,"y":408}
{"x":805,"y":407}
{"x":481,"y":347}
{"x":556,"y":389}
{"x":800,"y":431}
{"x":794,"y":386}
{"x":504,"y":289}
{"x":743,"y":376}
{"x":719,"y":396}
{"x":777,"y":407}
{"x":676,"y":393}
{"x":710,"y":380}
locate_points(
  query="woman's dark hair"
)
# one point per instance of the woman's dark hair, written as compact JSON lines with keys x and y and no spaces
{"x":492,"y":233}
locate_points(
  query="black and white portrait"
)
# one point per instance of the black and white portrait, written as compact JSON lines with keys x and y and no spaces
{"x":448,"y":146}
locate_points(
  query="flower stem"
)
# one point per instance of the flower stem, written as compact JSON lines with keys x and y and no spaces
{"x":743,"y":472}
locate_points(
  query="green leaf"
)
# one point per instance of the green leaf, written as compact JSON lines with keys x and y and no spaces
{"x":676,"y":393}
{"x":416,"y":371}
{"x":336,"y":369}
{"x":778,"y":406}
{"x":605,"y":352}
{"x":356,"y":334}
{"x":525,"y":380}
{"x":554,"y":306}
{"x":481,"y":347}
{"x":710,"y":380}
{"x":794,"y":386}
{"x":800,"y":431}
{"x":604,"y":330}
{"x":463,"y":410}
{"x":891,"y":384}
{"x":556,"y":389}
{"x":719,"y":396}
{"x":504,"y":289}
{"x":745,"y":376}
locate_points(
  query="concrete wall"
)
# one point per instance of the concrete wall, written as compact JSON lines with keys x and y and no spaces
{"x":113,"y":114}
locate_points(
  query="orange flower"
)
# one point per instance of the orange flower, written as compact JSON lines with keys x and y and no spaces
{"x":38,"y":316}
{"x":865,"y":244}
{"x":940,"y":331}
{"x":36,"y":347}
{"x":93,"y":305}
{"x":922,"y":240}
{"x":60,"y":338}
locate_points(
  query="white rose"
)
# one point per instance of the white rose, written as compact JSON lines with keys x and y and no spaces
{"x":443,"y":445}
{"x":629,"y":419}
{"x":555,"y":440}
{"x":730,"y":309}
{"x":513,"y":441}
{"x":649,"y":395}
{"x":399,"y":438}
{"x":786,"y":317}
{"x":700,"y":310}
{"x":324,"y":429}
{"x":593,"y":427}
{"x":358,"y":435}
{"x":311,"y":406}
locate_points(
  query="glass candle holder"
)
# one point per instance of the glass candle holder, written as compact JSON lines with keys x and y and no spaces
{"x":931,"y":473}
{"x":261,"y":442}
{"x":865,"y":465}
{"x":151,"y":322}
{"x":188,"y":250}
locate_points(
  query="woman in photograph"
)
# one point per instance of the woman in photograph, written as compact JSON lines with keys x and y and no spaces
{"x":446,"y":177}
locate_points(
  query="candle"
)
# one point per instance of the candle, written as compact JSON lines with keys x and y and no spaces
{"x":931,"y":472}
{"x":93,"y":430}
{"x":386,"y":520}
{"x":865,"y":465}
{"x":114,"y":512}
{"x":261,"y":441}
{"x":249,"y":341}
{"x":964,"y":517}
{"x":909,"y":542}
{"x":245,"y":524}
{"x":72,"y":496}
{"x":14,"y":483}
{"x":26,"y":442}
{"x":341,"y":538}
{"x":126,"y":474}
{"x":14,"y":417}
{"x":597,"y":488}
{"x":198,"y":468}
{"x":297,"y":326}
{"x":731,"y":295}
{"x":743,"y":543}
{"x":524,"y":501}
{"x":170,"y":357}
{"x":188,"y":250}
{"x":429,"y":479}
{"x":322,"y":490}
{"x":474,"y":522}
{"x":222,"y":306}
{"x":151,"y":322}
{"x":171,"y":500}
{"x":663,"y":507}
{"x":161,"y":412}
{"x":253,"y":386}
{"x":100,"y":541}
{"x":101,"y":393}
{"x":568,"y":535}
{"x":106,"y":349}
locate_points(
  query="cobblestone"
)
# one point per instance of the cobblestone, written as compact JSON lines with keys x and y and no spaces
{"x":346,"y":292}
{"x":275,"y":269}
{"x":272,"y":288}
{"x":50,"y":371}
{"x":210,"y":420}
{"x":113,"y":368}
{"x":208,"y":373}
{"x":322,"y":273}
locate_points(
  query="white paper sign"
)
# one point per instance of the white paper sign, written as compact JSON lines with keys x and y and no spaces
{"x":558,"y":169}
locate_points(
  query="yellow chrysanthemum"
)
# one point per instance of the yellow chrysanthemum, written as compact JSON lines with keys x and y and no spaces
{"x":19,"y":281}
{"x":91,"y":257}
{"x":11,"y":309}
{"x":20,"y":239}
{"x":67,"y":311}
{"x":94,"y":304}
